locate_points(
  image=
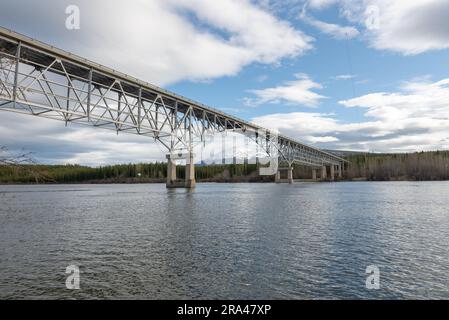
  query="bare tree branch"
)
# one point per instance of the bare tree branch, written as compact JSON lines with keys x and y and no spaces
{"x":15,"y":159}
{"x":23,"y":161}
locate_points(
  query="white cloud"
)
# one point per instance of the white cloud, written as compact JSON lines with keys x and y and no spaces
{"x":332,"y":29}
{"x":163,"y":41}
{"x":403,"y":26}
{"x":416,"y":99}
{"x":299,"y":124}
{"x":297,"y":92}
{"x":51,"y":142}
{"x":267,"y":38}
{"x":321,"y":4}
{"x":342,"y":77}
{"x":314,"y":139}
{"x":414,"y":118}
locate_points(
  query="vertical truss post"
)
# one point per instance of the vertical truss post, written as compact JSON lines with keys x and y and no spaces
{"x":257,"y":148}
{"x":119,"y":111}
{"x":190,"y":130}
{"x":156,"y":116}
{"x":267,"y":141}
{"x":139,"y":109}
{"x":174,"y":126}
{"x":16,"y":73}
{"x":175,"y":116}
{"x":67,"y":106}
{"x":203,"y":131}
{"x":89,"y":89}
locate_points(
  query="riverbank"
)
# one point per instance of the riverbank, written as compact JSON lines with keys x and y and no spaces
{"x":145,"y":180}
{"x":219,"y":181}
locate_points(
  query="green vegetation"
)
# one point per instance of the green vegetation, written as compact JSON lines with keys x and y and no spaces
{"x":125,"y":173}
{"x":414,"y":166}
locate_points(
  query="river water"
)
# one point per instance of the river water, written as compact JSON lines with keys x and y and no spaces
{"x":246,"y":241}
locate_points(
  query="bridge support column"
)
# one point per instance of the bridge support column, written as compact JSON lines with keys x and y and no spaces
{"x":172,"y":181}
{"x":223,"y":149}
{"x":277,"y":178}
{"x":340,"y":173}
{"x":171,"y":172}
{"x":290,"y":174}
{"x":332,"y":177}
{"x":190,"y":171}
{"x":313,"y":174}
{"x":323,"y":173}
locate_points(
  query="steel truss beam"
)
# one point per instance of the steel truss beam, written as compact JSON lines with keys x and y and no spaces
{"x":43,"y":81}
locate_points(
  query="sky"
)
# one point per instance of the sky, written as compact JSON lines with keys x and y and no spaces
{"x":366,"y":75}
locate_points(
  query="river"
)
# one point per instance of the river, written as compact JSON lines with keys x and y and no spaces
{"x":226,"y":241}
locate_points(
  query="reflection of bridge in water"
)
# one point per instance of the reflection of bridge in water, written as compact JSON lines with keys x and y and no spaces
{"x":44,"y":81}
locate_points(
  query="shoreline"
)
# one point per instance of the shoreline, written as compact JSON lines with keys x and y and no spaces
{"x":206,"y":181}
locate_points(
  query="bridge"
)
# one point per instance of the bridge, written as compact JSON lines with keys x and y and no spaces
{"x":41,"y":80}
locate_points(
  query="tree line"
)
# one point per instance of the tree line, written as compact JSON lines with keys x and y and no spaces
{"x":376,"y":167}
{"x":142,"y":172}
{"x":432,"y":165}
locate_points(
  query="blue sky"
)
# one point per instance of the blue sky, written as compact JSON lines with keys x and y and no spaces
{"x":368,"y":75}
{"x":327,"y":64}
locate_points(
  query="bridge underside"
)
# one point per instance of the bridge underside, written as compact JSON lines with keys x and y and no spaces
{"x":43,"y":81}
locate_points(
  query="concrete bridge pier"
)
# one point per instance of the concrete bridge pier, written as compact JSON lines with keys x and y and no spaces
{"x":290,"y":174}
{"x":314,"y":174}
{"x":190,"y":171}
{"x":340,"y":173}
{"x":277,"y":178}
{"x":332,"y":173}
{"x":323,"y":173}
{"x":172,"y":181}
{"x":171,"y":172}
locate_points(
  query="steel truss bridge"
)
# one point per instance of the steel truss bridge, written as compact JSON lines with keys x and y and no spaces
{"x":41,"y":80}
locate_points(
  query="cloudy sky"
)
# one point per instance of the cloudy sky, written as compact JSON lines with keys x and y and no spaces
{"x":369,"y":75}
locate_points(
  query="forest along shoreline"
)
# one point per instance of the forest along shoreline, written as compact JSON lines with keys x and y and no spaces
{"x":419,"y":166}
